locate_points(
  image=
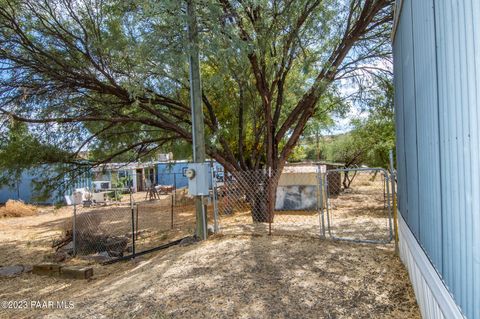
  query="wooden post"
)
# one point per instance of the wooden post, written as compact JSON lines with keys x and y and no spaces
{"x":394,"y":200}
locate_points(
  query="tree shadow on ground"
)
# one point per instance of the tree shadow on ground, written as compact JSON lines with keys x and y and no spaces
{"x":246,"y":276}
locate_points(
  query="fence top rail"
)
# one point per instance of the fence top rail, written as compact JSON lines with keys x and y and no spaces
{"x":358,"y":169}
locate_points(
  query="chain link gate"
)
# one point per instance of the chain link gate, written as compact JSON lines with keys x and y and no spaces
{"x":358,"y":205}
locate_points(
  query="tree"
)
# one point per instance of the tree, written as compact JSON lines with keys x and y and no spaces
{"x":111,"y":76}
{"x":372,"y":137}
{"x":19,"y":149}
{"x":375,"y":134}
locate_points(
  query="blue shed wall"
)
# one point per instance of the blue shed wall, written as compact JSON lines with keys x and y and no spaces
{"x":437,"y":94}
{"x":24,"y":189}
{"x":426,"y":116}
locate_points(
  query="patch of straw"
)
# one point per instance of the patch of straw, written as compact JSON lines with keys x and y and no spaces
{"x":15,"y":208}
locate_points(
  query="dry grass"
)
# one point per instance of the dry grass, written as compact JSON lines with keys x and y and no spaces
{"x":361,"y":212}
{"x":14,"y":208}
{"x":234,"y":276}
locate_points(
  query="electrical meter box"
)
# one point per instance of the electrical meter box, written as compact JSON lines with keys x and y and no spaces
{"x":198,"y":175}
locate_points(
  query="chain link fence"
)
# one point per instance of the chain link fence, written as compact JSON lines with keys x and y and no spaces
{"x":243,"y":201}
{"x":298,"y":202}
{"x":105,"y":231}
{"x":266,"y":201}
{"x":168,"y":218}
{"x":347,"y":204}
{"x":104,"y":225}
{"x":134,"y":223}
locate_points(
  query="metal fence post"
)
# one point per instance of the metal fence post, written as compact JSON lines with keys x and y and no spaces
{"x":175,"y":187}
{"x":204,"y":218}
{"x":326,"y":203}
{"x":270,"y":204}
{"x":74,"y":227}
{"x":136,"y":223}
{"x":389,"y":206}
{"x":171,"y":212}
{"x":214,"y":197}
{"x":133,"y":223}
{"x":320,"y":188}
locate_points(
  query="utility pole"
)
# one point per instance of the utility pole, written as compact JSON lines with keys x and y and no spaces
{"x":198,"y":134}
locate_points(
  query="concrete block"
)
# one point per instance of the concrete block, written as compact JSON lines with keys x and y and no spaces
{"x":12,"y":271}
{"x":49,"y":269}
{"x":76,"y":272}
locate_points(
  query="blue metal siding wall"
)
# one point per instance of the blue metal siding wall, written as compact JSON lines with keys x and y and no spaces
{"x":410,"y":123}
{"x":399,"y":125}
{"x":437,"y":81}
{"x":429,"y":205}
{"x":473,"y":27}
{"x":7,"y":193}
{"x":458,"y":55}
{"x":25,"y":189}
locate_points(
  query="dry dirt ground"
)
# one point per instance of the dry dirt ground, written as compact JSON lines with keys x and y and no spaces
{"x":230,"y":276}
{"x":361,"y":212}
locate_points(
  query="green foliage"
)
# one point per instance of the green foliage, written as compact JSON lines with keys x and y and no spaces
{"x":344,"y":149}
{"x":123,"y":182}
{"x":111,"y":77}
{"x":20,"y":149}
{"x":372,"y":138}
{"x":299,"y":154}
{"x":376,"y":134}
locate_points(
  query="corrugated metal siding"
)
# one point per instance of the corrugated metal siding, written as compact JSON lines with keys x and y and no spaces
{"x":458,"y":105}
{"x":474,"y":94}
{"x":410,"y":123}
{"x":399,"y":122}
{"x":437,"y":80}
{"x":429,"y":205}
{"x":24,"y":189}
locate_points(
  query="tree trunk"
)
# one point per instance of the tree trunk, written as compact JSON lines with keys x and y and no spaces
{"x":347,"y":181}
{"x":259,"y":190}
{"x":259,"y":208}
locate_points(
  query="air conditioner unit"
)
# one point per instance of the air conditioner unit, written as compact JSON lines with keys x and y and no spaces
{"x":101,"y":185}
